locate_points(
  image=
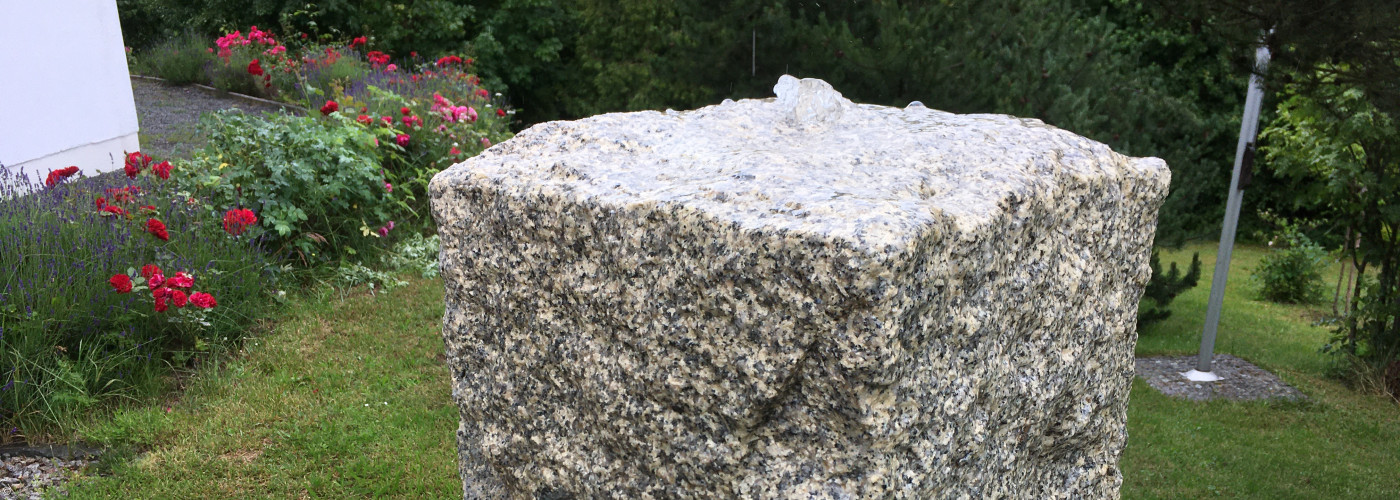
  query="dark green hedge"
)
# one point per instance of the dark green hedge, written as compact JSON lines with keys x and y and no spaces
{"x":1112,"y":70}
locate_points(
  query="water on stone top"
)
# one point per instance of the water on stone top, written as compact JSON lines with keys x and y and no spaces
{"x":808,"y":160}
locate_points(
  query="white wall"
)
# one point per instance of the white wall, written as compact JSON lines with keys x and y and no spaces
{"x":65,"y":94}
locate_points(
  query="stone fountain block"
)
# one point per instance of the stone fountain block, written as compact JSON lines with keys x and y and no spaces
{"x":798,"y":297}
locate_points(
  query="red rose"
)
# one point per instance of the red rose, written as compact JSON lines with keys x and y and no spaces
{"x":180,"y":280}
{"x":59,"y":175}
{"x":238,"y":220}
{"x":121,"y":282}
{"x":157,"y":282}
{"x":405,"y":111}
{"x":203,"y":300}
{"x":135,"y":161}
{"x":162,"y":170}
{"x":162,"y":303}
{"x":359,"y":40}
{"x":364,"y":119}
{"x":179,"y":298}
{"x":500,"y":112}
{"x":100,"y":202}
{"x":149,"y":270}
{"x":157,"y":228}
{"x":329,"y":107}
{"x":254,"y":68}
{"x":114,"y":210}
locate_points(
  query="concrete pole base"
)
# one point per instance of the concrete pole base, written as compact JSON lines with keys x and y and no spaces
{"x":1200,"y":376}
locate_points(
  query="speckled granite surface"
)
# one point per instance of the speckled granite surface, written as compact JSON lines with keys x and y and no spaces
{"x":797,"y":297}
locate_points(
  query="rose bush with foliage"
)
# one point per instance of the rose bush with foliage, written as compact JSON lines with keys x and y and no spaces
{"x":403,"y":119}
{"x":316,"y":184}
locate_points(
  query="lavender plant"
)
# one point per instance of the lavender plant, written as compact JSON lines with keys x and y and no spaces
{"x":69,"y":337}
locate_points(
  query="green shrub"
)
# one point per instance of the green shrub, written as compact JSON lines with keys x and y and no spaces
{"x":69,"y":339}
{"x":233,"y":77}
{"x":1292,"y":271}
{"x":315,"y":183}
{"x":180,"y":61}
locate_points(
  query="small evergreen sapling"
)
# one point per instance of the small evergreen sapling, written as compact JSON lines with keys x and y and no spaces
{"x":1162,"y":288}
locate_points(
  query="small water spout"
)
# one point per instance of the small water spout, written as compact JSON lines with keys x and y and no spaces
{"x":809,"y":101}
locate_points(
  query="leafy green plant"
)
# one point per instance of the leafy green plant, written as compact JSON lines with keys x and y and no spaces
{"x":316,"y":184}
{"x":417,"y":253}
{"x":1292,"y":272}
{"x":1342,"y":149}
{"x":353,"y":274}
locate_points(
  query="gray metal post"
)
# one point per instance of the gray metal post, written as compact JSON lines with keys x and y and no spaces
{"x":1249,"y":128}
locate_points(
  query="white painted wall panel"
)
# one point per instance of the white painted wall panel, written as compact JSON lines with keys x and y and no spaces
{"x":65,"y":94}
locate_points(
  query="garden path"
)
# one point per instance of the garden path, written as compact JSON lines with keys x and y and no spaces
{"x":168,"y":115}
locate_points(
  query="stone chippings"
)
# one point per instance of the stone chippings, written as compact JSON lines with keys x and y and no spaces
{"x":794,"y":298}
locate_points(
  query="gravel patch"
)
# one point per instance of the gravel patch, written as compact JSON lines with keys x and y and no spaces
{"x":1241,"y":380}
{"x":169,"y":115}
{"x":27,"y":475}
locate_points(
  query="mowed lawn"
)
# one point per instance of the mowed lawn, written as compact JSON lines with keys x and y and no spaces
{"x":1340,"y":444}
{"x":349,"y":398}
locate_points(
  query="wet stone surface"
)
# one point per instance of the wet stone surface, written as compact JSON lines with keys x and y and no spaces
{"x":1240,"y":379}
{"x":800,"y":297}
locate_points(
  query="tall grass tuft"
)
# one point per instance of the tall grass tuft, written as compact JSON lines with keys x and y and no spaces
{"x":68,"y":339}
{"x":181,"y":60}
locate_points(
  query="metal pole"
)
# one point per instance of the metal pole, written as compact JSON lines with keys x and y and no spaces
{"x":1249,"y":128}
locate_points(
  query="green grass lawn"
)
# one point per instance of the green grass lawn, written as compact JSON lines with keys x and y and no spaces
{"x":1341,"y":444}
{"x":344,"y":399}
{"x":349,"y":399}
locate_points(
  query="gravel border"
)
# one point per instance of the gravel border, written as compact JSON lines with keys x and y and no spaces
{"x":31,"y":477}
{"x":1240,"y":379}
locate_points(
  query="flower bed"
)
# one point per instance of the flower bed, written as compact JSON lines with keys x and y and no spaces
{"x":111,"y":281}
{"x":108,"y":281}
{"x":420,"y":115}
